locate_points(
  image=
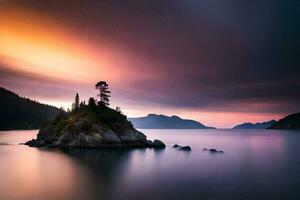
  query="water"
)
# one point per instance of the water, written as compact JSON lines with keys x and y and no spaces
{"x":257,"y":164}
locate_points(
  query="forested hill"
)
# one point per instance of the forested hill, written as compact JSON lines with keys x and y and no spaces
{"x":289,"y":122}
{"x":22,"y":113}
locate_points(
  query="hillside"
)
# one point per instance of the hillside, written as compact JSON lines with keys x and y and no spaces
{"x":22,"y":113}
{"x":153,"y":121}
{"x":289,"y":122}
{"x":262,"y":125}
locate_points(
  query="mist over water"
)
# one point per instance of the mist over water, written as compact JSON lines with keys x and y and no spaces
{"x":257,"y":164}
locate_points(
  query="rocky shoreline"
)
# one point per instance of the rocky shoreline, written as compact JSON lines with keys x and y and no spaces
{"x":101,"y":127}
{"x":148,"y":144}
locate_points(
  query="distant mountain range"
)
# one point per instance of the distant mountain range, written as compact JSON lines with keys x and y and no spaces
{"x":22,"y":113}
{"x":289,"y":122}
{"x":154,"y":121}
{"x":262,"y":125}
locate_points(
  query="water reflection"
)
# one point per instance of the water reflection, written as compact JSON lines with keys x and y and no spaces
{"x":32,"y":174}
{"x":108,"y":167}
{"x":256,"y":165}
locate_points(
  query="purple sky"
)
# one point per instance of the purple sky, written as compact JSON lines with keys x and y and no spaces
{"x":219,"y":62}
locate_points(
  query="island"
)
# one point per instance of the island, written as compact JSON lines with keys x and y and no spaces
{"x":289,"y":122}
{"x":154,"y":121}
{"x":94,"y":125}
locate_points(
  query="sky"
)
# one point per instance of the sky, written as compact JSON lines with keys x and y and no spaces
{"x":218,"y":62}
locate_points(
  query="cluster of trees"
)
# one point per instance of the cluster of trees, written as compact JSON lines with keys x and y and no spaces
{"x":104,"y":95}
{"x":22,"y":113}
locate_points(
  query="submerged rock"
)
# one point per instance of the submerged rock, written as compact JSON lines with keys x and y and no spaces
{"x":213,"y":150}
{"x":158,"y":144}
{"x":183,"y":148}
{"x":92,"y":128}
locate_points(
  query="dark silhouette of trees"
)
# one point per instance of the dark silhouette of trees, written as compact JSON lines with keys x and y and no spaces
{"x":22,"y":113}
{"x":75,"y":105}
{"x":102,"y":86}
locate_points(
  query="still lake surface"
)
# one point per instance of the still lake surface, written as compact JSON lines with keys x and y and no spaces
{"x":257,"y":164}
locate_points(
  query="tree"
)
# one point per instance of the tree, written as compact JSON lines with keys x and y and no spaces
{"x":92,"y":104}
{"x":75,"y":105}
{"x":102,"y":86}
{"x":118,"y":109}
{"x":82,"y":104}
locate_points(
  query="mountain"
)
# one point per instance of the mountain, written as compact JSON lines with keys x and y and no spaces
{"x":262,"y":125}
{"x":91,"y":126}
{"x":153,"y":121}
{"x":289,"y":122}
{"x":22,"y":113}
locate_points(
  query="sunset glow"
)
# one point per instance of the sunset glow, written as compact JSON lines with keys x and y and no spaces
{"x":27,"y":46}
{"x":147,"y":64}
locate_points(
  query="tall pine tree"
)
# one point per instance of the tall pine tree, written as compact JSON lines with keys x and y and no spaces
{"x":102,"y":86}
{"x":75,"y":105}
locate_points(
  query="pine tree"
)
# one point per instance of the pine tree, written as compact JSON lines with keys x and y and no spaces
{"x":92,"y":104}
{"x":75,"y":105}
{"x":82,"y":104}
{"x":102,"y":86}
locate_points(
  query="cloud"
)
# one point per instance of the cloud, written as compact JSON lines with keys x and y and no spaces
{"x":206,"y":55}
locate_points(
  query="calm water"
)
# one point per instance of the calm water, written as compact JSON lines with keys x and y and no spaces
{"x":259,"y":164}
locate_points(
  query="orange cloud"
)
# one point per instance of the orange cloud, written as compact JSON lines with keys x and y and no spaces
{"x":31,"y":42}
{"x":36,"y":44}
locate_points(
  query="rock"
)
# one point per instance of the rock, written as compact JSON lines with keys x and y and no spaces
{"x":90,"y":128}
{"x":30,"y":142}
{"x":35,"y":143}
{"x":149,"y":143}
{"x":158,"y":144}
{"x":182,"y":148}
{"x":185,"y":148}
{"x":213,"y":150}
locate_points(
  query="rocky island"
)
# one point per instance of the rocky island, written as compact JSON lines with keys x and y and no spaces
{"x":94,"y":125}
